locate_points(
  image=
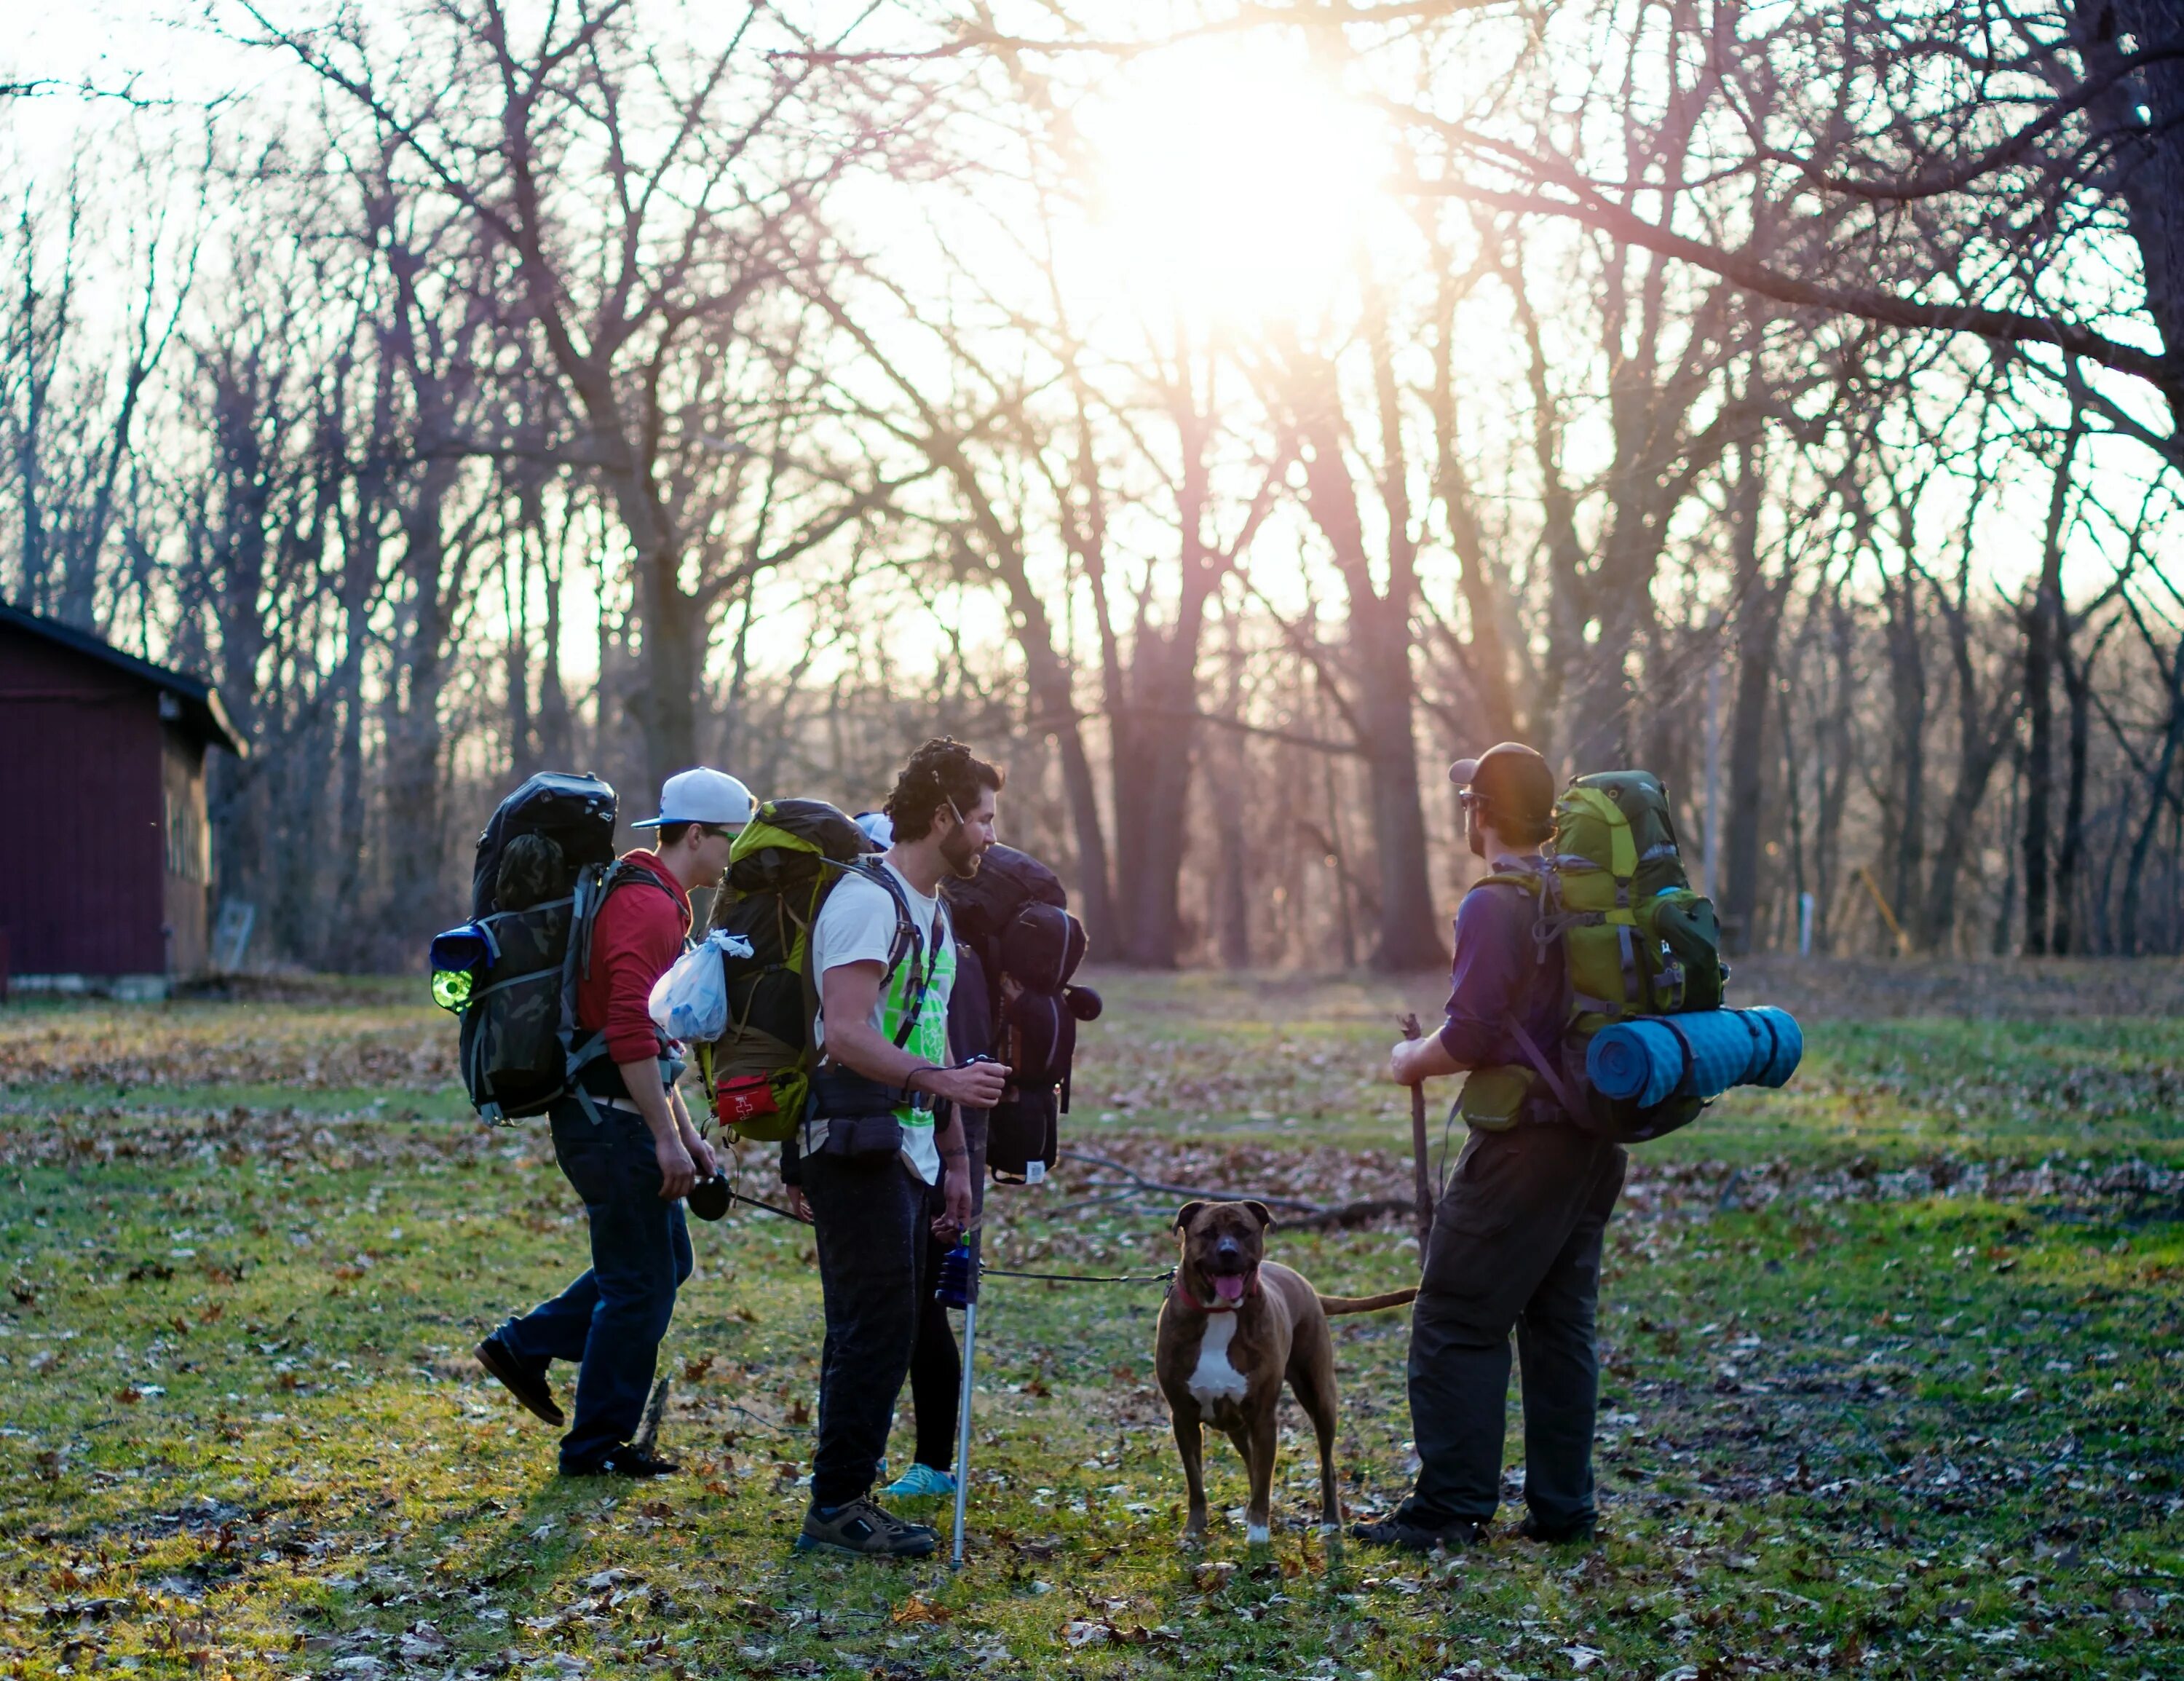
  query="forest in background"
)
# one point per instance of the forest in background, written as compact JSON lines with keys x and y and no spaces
{"x":1222,"y":414}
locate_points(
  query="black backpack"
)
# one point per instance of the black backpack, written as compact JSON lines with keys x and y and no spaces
{"x":1013,"y":926}
{"x":545,"y":866}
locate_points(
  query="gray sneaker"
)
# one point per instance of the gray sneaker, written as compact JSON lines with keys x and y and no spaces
{"x":1396,"y":1530}
{"x":862,"y":1529}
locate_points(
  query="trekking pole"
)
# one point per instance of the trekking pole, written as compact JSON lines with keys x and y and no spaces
{"x":963,"y":1401}
{"x":1423,"y":1181}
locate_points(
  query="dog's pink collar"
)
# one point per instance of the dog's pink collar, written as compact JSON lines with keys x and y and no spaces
{"x":1250,"y":1290}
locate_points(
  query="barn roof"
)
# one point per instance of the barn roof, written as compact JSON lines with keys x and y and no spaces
{"x":199,"y":700}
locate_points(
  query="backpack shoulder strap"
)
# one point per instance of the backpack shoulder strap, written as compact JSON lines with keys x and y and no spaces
{"x":907,"y":944}
{"x":593,"y":885}
{"x":1533,"y":881}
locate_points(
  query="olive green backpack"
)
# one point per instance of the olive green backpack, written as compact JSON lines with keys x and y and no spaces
{"x":1637,"y":941}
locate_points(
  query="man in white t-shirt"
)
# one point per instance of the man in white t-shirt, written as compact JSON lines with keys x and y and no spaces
{"x":871,"y":1148}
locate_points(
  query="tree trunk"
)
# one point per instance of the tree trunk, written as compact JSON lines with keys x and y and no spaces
{"x":1409,"y":937}
{"x":556,"y":732}
{"x":2077,"y":690}
{"x":1230,"y":900}
{"x":1486,"y":664}
{"x":1758,"y":627}
{"x":1155,"y":737}
{"x":1832,"y":737}
{"x":2042,"y":620}
{"x":2146,"y":151}
{"x":1908,"y":786}
{"x":2157,"y":786}
{"x":1153,"y":724}
{"x":415,"y":729}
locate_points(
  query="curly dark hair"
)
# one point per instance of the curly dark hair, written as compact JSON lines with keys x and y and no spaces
{"x":941,"y":770}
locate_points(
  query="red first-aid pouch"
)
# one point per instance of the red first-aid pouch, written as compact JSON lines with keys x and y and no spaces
{"x":744,"y":1099}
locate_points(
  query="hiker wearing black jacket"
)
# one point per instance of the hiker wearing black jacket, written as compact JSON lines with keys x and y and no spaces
{"x":1517,"y":1236}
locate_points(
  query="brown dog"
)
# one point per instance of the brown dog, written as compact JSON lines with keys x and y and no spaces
{"x":1233,"y":1326}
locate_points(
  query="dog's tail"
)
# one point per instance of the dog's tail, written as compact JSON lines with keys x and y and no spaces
{"x":1332,"y":1305}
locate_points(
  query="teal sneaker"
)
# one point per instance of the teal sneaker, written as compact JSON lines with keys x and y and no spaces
{"x":921,"y":1482}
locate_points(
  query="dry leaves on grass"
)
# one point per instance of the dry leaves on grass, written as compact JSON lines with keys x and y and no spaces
{"x":241,"y":1134}
{"x":1327,"y":1175}
{"x":1316,"y":1174}
{"x":211,"y":1044}
{"x":1083,"y":1631}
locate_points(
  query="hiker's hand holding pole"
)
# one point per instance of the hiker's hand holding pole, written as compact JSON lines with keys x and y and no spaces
{"x":953,"y":1143}
{"x":1400,"y":1063}
{"x":1414,"y":1059}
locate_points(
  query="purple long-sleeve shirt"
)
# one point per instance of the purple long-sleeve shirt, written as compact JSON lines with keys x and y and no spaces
{"x":1498,"y":971}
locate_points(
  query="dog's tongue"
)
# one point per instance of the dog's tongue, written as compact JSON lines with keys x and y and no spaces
{"x":1229,"y":1288}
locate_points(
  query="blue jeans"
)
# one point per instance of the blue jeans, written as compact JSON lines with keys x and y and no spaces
{"x":612,"y":1318}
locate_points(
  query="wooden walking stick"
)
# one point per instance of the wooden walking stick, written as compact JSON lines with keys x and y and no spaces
{"x":1424,"y":1180}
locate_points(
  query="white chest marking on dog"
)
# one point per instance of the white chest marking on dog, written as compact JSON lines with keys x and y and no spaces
{"x":1215,"y":1379}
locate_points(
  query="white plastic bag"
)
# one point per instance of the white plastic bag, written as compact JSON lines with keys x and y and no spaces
{"x":690,"y":1001}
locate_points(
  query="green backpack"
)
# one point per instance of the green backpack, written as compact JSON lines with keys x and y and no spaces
{"x":1637,"y":941}
{"x":784,"y":865}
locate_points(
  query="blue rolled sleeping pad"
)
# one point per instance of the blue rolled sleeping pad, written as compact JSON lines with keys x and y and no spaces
{"x":1701,"y":1055}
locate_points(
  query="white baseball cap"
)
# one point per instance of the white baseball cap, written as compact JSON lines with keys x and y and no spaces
{"x":879,"y":827}
{"x":702,"y":796}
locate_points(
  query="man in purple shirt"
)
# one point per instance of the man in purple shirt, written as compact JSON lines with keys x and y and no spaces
{"x":1517,"y":1236}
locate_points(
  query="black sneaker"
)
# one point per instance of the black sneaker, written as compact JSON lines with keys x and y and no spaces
{"x":864,"y":1530}
{"x":1396,"y":1530}
{"x":527,"y":1386}
{"x":625,"y":1462}
{"x":1554,"y":1534}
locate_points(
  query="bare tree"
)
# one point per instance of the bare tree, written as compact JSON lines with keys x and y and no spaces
{"x":652,"y":201}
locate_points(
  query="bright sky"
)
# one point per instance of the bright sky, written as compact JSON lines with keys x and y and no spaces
{"x":1238,"y":181}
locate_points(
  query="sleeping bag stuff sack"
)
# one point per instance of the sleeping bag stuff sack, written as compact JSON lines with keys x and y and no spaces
{"x":1701,"y":1054}
{"x":1019,"y":950}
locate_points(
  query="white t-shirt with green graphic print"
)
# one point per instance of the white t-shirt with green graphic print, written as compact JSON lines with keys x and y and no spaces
{"x":857,"y":925}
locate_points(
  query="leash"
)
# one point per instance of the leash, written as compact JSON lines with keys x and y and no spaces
{"x":986,"y":1271}
{"x":759,"y":1202}
{"x":1082,"y":1278}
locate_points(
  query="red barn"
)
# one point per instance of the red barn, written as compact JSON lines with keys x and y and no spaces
{"x":105,"y":857}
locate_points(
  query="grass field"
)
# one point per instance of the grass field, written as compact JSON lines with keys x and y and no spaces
{"x":1893,"y":1368}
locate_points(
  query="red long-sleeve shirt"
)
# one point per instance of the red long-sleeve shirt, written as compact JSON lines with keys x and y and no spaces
{"x":638,"y":935}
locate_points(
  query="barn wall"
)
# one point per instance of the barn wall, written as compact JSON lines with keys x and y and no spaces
{"x":81,"y":871}
{"x":186,"y":839}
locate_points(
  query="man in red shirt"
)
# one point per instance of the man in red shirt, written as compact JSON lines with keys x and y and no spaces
{"x":631,"y":1151}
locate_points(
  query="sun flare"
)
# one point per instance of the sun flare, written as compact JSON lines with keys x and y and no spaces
{"x":1234,"y":181}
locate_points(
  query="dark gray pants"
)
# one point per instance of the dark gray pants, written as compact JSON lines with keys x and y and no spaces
{"x":1516,"y":1243}
{"x":873,"y":1226}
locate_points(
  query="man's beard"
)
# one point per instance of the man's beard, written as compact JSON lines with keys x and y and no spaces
{"x":962,"y":858}
{"x":1475,"y":837}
